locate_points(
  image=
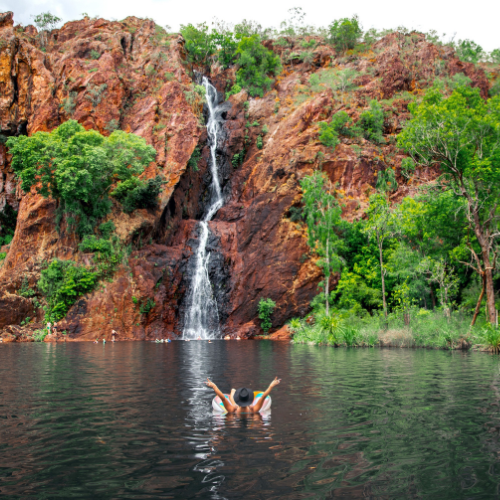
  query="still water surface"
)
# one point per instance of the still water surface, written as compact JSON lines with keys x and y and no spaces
{"x":134,"y":420}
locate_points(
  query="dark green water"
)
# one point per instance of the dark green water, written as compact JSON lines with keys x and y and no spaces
{"x":133,"y":420}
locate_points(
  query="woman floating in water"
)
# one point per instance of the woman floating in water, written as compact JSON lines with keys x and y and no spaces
{"x":240,"y":400}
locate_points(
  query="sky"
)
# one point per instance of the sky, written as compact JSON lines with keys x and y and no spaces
{"x":477,"y":21}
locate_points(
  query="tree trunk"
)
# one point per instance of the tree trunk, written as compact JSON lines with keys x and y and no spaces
{"x":432,"y":297}
{"x":490,"y":291}
{"x":482,"y":236}
{"x":478,"y":305}
{"x":382,"y":274}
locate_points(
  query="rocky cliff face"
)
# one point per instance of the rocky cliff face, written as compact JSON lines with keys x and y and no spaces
{"x":131,"y":75}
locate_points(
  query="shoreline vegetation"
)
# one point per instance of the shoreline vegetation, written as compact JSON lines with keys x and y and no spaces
{"x":450,"y":330}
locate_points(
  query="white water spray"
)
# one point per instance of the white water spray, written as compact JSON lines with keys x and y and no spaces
{"x":202,"y":317}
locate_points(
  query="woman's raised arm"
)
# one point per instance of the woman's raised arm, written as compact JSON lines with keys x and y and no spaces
{"x":227,"y":405}
{"x":258,"y":406}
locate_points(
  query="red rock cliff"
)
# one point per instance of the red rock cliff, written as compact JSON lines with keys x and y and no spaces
{"x":133,"y":76}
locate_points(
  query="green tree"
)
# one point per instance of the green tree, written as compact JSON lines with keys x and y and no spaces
{"x":344,"y":33}
{"x":323,"y":218}
{"x":380,"y":225}
{"x":226,"y":43}
{"x":461,"y":135}
{"x":200,"y":44}
{"x":469,"y":51}
{"x":495,"y":56}
{"x":77,"y":167}
{"x":45,"y":22}
{"x":255,"y":63}
{"x":266,"y":308}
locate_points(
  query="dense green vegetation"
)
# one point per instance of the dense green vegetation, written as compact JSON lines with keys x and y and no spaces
{"x":78,"y":167}
{"x":370,"y":126}
{"x":8,"y":220}
{"x":266,"y":308}
{"x":423,"y":270}
{"x":255,"y":63}
{"x":62,"y":282}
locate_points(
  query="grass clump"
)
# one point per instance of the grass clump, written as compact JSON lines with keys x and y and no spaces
{"x":431,"y":329}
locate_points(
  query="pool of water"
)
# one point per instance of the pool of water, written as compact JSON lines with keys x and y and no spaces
{"x":134,"y":420}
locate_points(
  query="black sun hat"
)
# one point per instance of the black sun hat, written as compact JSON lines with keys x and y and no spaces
{"x":243,"y":397}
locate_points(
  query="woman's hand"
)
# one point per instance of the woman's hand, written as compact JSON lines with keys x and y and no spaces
{"x":275,"y":382}
{"x":210,"y":384}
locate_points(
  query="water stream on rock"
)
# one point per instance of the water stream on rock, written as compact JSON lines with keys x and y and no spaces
{"x":202,"y":317}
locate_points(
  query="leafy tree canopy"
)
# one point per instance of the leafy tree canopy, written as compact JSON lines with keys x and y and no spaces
{"x":255,"y":64}
{"x":46,"y":21}
{"x":77,"y":167}
{"x":323,"y":218}
{"x":461,"y":135}
{"x":344,"y":33}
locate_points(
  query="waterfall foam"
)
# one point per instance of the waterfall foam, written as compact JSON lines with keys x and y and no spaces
{"x":202,"y":317}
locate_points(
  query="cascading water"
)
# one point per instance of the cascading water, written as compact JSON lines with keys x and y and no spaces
{"x":202,"y":317}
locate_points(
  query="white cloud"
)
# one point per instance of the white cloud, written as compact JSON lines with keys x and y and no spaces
{"x":477,"y":21}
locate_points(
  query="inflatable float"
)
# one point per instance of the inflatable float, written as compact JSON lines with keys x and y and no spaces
{"x":218,"y":405}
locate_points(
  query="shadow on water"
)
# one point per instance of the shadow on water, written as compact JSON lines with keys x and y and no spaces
{"x":134,"y":420}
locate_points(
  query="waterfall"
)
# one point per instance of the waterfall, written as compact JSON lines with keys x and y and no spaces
{"x":202,"y":317}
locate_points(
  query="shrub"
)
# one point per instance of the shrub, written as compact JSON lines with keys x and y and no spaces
{"x":495,"y":56}
{"x":344,"y":33}
{"x":147,"y":307}
{"x":136,"y":193}
{"x":77,"y":167}
{"x":3,"y":255}
{"x":371,"y":122}
{"x":329,"y":132}
{"x":69,"y":104}
{"x":25,"y":290}
{"x":195,"y":158}
{"x":259,"y":142}
{"x":61,"y":283}
{"x":94,"y":54}
{"x":328,"y":136}
{"x":255,"y":64}
{"x":491,"y":337}
{"x":235,"y":89}
{"x":333,"y":78}
{"x":266,"y":308}
{"x":407,"y":168}
{"x":39,"y":335}
{"x":386,"y":180}
{"x":238,"y":158}
{"x":8,"y":221}
{"x":107,"y":228}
